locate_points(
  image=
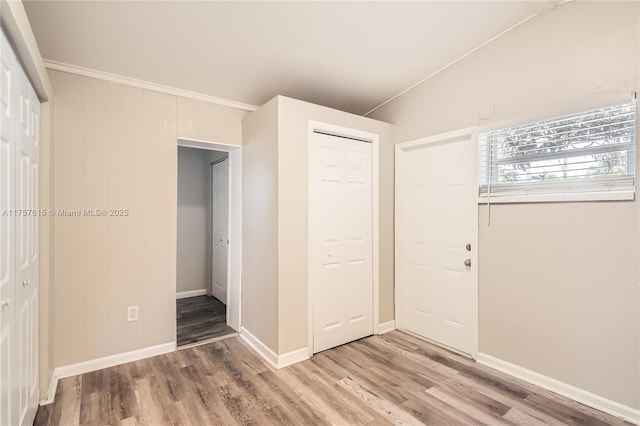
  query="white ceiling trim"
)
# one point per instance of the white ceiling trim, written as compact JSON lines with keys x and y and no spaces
{"x":115,"y":78}
{"x":16,"y":23}
{"x":455,"y":61}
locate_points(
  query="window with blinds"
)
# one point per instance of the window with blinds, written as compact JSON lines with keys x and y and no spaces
{"x":591,"y":152}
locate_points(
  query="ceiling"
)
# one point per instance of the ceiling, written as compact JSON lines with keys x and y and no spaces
{"x":351,"y":56}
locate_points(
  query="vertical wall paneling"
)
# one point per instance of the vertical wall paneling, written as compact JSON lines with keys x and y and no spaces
{"x":133,"y":199}
{"x":116,"y":148}
{"x":116,"y":224}
{"x":69,"y":324}
{"x":160,"y":196}
{"x":96,"y":227}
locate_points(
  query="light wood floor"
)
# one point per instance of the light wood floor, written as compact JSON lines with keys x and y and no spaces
{"x":201,"y":318}
{"x":390,"y":379}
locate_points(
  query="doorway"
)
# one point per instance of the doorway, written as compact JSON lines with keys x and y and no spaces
{"x":343,"y":237}
{"x":207,"y":277}
{"x":437,"y":240}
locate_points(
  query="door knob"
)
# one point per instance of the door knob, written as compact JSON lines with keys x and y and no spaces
{"x":25,"y":283}
{"x":467,"y":263}
{"x":5,"y":303}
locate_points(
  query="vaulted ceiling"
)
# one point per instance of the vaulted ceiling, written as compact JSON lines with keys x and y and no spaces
{"x":351,"y":56}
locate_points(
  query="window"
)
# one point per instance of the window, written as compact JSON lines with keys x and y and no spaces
{"x":589,"y":155}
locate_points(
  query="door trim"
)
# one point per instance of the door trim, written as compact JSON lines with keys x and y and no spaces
{"x":366,"y":137}
{"x":469,"y":133}
{"x":234,"y":253}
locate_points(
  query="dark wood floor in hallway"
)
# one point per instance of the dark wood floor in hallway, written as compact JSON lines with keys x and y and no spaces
{"x":390,"y":379}
{"x":201,"y":318}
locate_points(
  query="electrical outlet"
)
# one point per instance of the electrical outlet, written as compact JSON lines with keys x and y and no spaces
{"x":132,"y":313}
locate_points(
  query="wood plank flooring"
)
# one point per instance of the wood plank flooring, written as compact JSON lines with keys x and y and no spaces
{"x":390,"y":379}
{"x":201,"y":318}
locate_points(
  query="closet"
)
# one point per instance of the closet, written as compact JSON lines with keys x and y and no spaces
{"x":311,"y":227}
{"x":19,"y":215}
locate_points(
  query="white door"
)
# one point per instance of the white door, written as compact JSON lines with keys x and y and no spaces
{"x":27,"y":176}
{"x":8,"y":97}
{"x":19,"y":156}
{"x":220,"y":220}
{"x":340,"y":235}
{"x":436,"y":225}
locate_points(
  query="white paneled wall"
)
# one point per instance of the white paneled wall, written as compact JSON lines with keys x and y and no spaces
{"x":115,"y":150}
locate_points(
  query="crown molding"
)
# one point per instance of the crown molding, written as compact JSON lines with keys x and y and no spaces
{"x":120,"y":79}
{"x":452,"y":63}
{"x":16,"y":27}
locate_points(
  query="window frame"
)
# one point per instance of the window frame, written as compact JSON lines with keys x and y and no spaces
{"x":559,"y":197}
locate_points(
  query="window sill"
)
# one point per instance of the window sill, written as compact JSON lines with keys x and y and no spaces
{"x":559,"y":198}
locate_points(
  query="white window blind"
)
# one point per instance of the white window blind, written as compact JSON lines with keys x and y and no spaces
{"x":586,"y":152}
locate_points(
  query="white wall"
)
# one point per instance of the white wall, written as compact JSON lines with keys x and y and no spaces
{"x":194,"y":212}
{"x":260,"y":223}
{"x":293,"y":128}
{"x":558,"y":282}
{"x":275,"y":194}
{"x":115,"y":146}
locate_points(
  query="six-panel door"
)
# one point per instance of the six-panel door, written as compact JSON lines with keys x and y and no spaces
{"x":19,"y":173}
{"x":340,"y":232}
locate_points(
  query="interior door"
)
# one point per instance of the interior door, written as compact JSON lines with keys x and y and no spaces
{"x":27,"y":177}
{"x":340,"y":234}
{"x":8,"y":98}
{"x":220,"y":172}
{"x":436,"y":215}
{"x":19,"y":174}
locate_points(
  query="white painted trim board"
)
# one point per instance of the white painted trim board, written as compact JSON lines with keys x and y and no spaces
{"x":275,"y":360}
{"x":580,"y":395}
{"x":104,"y":362}
{"x":191,"y":293}
{"x":16,"y":25}
{"x":386,"y":327}
{"x":452,"y":63}
{"x":147,"y":85}
{"x":256,"y":344}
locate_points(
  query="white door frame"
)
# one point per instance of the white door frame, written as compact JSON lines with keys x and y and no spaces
{"x":375,"y":210}
{"x":234,"y":257}
{"x":400,"y":149}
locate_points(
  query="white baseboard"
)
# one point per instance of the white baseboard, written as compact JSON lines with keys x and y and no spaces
{"x":263,"y":350}
{"x":275,"y":360}
{"x":51,"y":392}
{"x":105,"y":362}
{"x":191,"y":293}
{"x":293,"y":357}
{"x":585,"y":397}
{"x":386,"y":327}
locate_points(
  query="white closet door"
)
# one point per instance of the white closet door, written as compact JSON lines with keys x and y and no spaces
{"x":19,"y":158}
{"x":27,"y":176}
{"x":220,"y":229}
{"x":341,"y":252}
{"x":8,"y":98}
